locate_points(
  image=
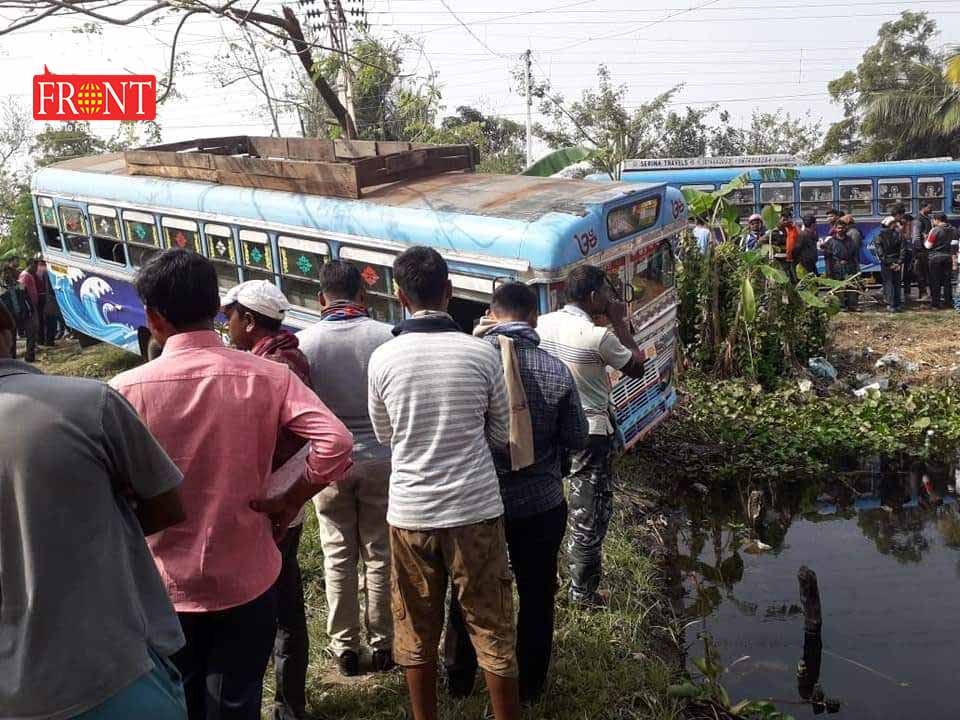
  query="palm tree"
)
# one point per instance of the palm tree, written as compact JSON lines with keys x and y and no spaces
{"x":929,"y":107}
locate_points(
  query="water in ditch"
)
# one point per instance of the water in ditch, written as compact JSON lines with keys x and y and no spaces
{"x":884,"y":542}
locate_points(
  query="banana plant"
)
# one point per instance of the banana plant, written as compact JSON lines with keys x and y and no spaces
{"x":557,"y":160}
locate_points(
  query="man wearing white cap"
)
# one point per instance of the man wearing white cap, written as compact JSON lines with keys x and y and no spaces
{"x":751,"y":241}
{"x":255,"y":310}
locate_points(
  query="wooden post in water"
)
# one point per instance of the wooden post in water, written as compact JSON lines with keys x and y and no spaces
{"x":810,"y":597}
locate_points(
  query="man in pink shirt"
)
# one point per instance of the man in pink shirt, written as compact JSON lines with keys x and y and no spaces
{"x":217,"y":413}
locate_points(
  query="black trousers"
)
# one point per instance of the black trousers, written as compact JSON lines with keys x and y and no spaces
{"x":292,"y":645}
{"x":225,"y":658}
{"x":892,"y":280}
{"x":533,"y":544}
{"x":920,"y":272}
{"x":941,"y":292}
{"x":591,"y":507}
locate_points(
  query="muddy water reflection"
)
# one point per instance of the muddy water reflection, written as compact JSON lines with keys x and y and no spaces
{"x":885,"y":545}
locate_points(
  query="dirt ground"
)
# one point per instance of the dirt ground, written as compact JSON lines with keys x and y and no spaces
{"x":929,"y":338}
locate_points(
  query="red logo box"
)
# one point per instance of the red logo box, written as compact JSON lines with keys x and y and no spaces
{"x":94,"y":97}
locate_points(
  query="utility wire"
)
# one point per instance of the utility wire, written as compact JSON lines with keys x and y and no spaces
{"x":472,"y":33}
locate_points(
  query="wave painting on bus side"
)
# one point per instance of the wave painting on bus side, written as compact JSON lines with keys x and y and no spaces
{"x":98,"y":306}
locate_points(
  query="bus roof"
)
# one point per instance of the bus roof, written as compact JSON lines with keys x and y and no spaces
{"x":804,"y":172}
{"x":503,"y":216}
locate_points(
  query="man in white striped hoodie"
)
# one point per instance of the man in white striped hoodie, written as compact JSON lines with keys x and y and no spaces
{"x":437,"y":397}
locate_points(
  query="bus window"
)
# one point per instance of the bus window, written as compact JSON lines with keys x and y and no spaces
{"x":75,"y":230}
{"x":930,"y":190}
{"x":816,"y":198}
{"x":107,"y":241}
{"x":653,"y":274}
{"x":376,"y":271}
{"x":955,"y":204}
{"x":633,"y":218}
{"x":471,"y":299}
{"x":300,"y":264}
{"x":181,"y":233}
{"x":257,"y":258}
{"x":891,"y":192}
{"x":222,"y":253}
{"x":856,"y":197}
{"x":744,"y":200}
{"x":142,"y":239}
{"x":48,"y":223}
{"x":777,"y":193}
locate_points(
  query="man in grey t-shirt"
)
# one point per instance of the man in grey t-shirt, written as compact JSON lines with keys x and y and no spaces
{"x":352,"y":514}
{"x":85,"y":622}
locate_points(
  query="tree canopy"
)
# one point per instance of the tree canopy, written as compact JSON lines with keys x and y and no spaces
{"x":902,"y":64}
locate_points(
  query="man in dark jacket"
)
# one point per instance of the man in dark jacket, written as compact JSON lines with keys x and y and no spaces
{"x":805,"y":251}
{"x":891,"y":250}
{"x":941,"y":243}
{"x":255,"y":310}
{"x":841,"y":252}
{"x":922,"y":225}
{"x":542,"y":388}
{"x":18,"y":304}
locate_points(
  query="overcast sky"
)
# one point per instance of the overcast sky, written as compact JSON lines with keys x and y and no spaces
{"x":738,"y":53}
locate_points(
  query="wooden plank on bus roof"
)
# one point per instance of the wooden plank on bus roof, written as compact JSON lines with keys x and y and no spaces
{"x":171,"y":171}
{"x":268,"y":147}
{"x":311,"y":149}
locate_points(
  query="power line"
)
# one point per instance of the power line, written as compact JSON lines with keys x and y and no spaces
{"x":626,"y":11}
{"x":471,"y":32}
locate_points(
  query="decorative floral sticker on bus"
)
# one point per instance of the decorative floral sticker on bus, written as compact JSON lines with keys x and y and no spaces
{"x":180,"y":239}
{"x":303,"y":262}
{"x":47,"y":216}
{"x":73,"y":220}
{"x":220,"y":249}
{"x":140,"y":231}
{"x":106,"y":227}
{"x":256,"y":256}
{"x":370,"y":276}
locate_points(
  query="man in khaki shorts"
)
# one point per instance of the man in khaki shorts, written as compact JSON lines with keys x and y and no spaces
{"x":437,"y":397}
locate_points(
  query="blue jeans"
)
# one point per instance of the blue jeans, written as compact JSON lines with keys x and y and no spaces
{"x":158,"y":695}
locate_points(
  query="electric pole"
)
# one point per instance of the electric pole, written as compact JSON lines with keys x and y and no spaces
{"x":527,"y":61}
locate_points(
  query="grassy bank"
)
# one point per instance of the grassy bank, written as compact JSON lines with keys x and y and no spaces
{"x":612,"y":664}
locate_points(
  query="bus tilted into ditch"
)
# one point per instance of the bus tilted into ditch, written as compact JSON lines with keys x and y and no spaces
{"x":99,"y":223}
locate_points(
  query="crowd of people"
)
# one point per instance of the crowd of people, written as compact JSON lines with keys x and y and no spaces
{"x":29,"y":297}
{"x":149,"y":530}
{"x":912,"y":251}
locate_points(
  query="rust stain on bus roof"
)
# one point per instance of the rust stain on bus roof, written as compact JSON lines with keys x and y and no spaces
{"x":513,"y":196}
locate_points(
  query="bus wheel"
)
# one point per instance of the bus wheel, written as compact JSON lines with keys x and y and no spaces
{"x":86,"y":341}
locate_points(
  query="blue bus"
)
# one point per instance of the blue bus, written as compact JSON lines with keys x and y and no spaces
{"x":867,"y":191}
{"x":98,"y":224}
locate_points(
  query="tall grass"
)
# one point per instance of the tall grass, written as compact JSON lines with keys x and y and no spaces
{"x":612,"y":663}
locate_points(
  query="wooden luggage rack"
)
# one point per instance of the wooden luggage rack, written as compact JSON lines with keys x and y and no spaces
{"x":341,"y":168}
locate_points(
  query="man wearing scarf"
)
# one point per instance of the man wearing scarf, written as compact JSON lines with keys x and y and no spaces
{"x":353,"y":515}
{"x":546,"y":420}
